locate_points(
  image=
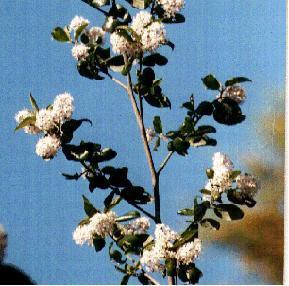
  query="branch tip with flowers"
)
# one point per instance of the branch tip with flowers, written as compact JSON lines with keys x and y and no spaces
{"x":134,"y":41}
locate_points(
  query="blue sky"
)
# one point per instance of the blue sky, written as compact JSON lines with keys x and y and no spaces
{"x":40,"y":209}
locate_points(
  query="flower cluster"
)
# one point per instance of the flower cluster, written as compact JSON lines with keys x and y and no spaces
{"x":189,"y":251}
{"x":95,"y":36}
{"x":78,"y":22}
{"x":222,"y":180}
{"x":235,"y":93}
{"x":153,"y":259}
{"x":248,"y":185}
{"x":80,"y":52}
{"x":49,"y":121}
{"x":138,"y":226}
{"x":101,"y":224}
{"x":147,"y":36}
{"x":171,"y":7}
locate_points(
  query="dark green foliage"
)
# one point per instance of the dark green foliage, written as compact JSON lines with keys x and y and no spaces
{"x":236,"y":80}
{"x":211,"y":82}
{"x":135,"y":194}
{"x":210,"y":223}
{"x":154,"y":59}
{"x":61,"y":35}
{"x":98,"y":243}
{"x":189,"y":273}
{"x":230,"y":211}
{"x":227,"y":111}
{"x":89,"y":209}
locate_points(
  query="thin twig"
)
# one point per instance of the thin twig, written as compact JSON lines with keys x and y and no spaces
{"x":117,"y":81}
{"x":143,"y":210}
{"x":154,"y":175}
{"x":102,"y":11}
{"x":164,"y":163}
{"x":155,"y":282}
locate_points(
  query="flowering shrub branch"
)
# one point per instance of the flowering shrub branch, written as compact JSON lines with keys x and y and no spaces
{"x":134,"y":42}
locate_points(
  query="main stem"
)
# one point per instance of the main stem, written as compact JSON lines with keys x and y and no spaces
{"x":154,"y":174}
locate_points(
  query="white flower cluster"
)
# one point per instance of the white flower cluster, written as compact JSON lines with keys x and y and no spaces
{"x":138,"y":226}
{"x":221,"y":182}
{"x":95,"y":35}
{"x":78,"y":22}
{"x":235,"y":93}
{"x":23,"y":114}
{"x":171,"y":7}
{"x":153,"y":259}
{"x":149,"y":35}
{"x":101,"y":224}
{"x":48,"y":146}
{"x":80,"y":52}
{"x":49,"y":122}
{"x":248,"y":185}
{"x":189,"y":252}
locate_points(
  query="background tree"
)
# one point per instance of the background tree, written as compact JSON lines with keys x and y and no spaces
{"x":260,"y":236}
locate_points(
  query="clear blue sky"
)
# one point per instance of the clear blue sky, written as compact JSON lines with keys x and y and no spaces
{"x":40,"y":209}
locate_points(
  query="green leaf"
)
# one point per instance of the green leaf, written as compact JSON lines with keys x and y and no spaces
{"x":125,"y":279}
{"x":98,"y":243}
{"x":95,"y":3}
{"x":188,"y":105}
{"x":106,"y":154}
{"x":210,"y":223}
{"x":132,"y":243}
{"x":227,"y":112}
{"x":69,"y":127}
{"x":154,"y":59}
{"x":116,"y":63}
{"x":200,"y":210}
{"x":235,"y":80}
{"x":188,"y":126}
{"x":116,"y":255}
{"x":61,"y":35}
{"x":211,"y":82}
{"x":33,"y":102}
{"x":118,"y":178}
{"x":80,"y":30}
{"x":171,"y":265}
{"x":170,"y":44}
{"x":186,"y":236}
{"x":143,"y":279}
{"x":229,"y":212}
{"x":30,"y":120}
{"x":205,"y":108}
{"x":181,"y":146}
{"x":194,"y":275}
{"x":205,"y":129}
{"x":141,"y":4}
{"x":186,"y":212}
{"x":76,"y":176}
{"x":135,"y":194}
{"x":89,"y":209}
{"x":234,"y":174}
{"x":157,"y":144}
{"x":158,"y":124}
{"x":128,"y":216}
